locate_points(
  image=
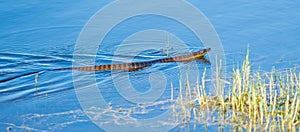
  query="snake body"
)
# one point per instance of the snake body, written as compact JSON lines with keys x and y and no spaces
{"x":138,"y":65}
{"x":133,"y":66}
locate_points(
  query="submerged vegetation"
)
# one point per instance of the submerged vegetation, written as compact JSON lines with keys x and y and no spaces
{"x":254,"y":101}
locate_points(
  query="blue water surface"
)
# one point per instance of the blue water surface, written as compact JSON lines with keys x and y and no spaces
{"x":38,"y":35}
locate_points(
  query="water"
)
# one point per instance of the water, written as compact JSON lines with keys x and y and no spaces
{"x":41,"y":35}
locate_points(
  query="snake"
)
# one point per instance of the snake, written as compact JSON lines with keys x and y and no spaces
{"x":133,"y":66}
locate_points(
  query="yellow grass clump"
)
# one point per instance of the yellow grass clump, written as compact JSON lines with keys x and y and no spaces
{"x":255,"y":101}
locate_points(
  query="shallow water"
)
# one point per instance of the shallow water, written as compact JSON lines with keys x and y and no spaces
{"x":37,"y":35}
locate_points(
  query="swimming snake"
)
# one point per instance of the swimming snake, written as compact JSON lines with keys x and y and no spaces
{"x":139,"y":65}
{"x":133,"y":66}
